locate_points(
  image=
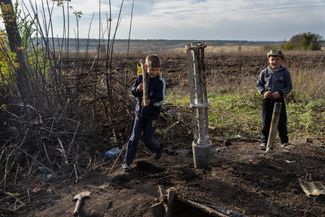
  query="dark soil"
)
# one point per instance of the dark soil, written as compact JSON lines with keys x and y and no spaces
{"x":240,"y":177}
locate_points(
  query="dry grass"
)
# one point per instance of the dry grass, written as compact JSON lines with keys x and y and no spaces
{"x":244,"y":50}
{"x":227,"y":49}
{"x":308,"y":83}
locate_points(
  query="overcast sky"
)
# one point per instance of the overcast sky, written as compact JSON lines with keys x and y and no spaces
{"x":259,"y":20}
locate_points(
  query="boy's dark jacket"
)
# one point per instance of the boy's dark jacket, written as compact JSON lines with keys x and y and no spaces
{"x":156,"y":94}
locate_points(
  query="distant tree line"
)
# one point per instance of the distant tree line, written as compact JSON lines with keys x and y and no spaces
{"x":304,"y":41}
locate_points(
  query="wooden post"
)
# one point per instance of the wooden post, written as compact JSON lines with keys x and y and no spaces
{"x":145,"y":84}
{"x":171,"y":194}
{"x":274,"y":126}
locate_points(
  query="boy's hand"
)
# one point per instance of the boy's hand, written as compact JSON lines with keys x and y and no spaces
{"x":145,"y":102}
{"x":145,"y":67}
{"x":140,"y":87}
{"x":267,"y":94}
{"x":276,"y":95}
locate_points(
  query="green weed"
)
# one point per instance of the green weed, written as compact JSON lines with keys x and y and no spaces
{"x":307,"y":118}
{"x":236,"y":114}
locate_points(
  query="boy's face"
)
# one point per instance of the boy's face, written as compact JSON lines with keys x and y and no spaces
{"x":152,"y":72}
{"x":275,"y":62}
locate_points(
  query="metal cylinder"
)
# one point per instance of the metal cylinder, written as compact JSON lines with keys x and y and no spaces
{"x":201,"y":155}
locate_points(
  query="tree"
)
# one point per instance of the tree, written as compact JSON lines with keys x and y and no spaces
{"x":15,"y":43}
{"x":304,"y":41}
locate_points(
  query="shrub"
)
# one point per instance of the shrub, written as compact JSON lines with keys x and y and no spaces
{"x":304,"y":41}
{"x":7,"y":58}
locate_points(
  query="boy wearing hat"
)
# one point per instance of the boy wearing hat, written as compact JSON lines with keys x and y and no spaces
{"x":274,"y":84}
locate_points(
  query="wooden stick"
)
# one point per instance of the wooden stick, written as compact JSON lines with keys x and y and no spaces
{"x":274,"y":126}
{"x":145,"y":85}
{"x":46,"y":154}
{"x":171,"y":194}
{"x":161,"y":194}
{"x":37,"y":161}
{"x":118,"y":157}
{"x":76,"y":173}
{"x":63,"y":152}
{"x":73,"y":138}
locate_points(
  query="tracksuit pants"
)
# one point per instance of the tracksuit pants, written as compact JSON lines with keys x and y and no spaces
{"x":147,"y":126}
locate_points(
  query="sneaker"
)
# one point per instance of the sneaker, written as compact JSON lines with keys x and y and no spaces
{"x":126,"y":168}
{"x":283,"y":145}
{"x":263,"y":146}
{"x":157,"y":154}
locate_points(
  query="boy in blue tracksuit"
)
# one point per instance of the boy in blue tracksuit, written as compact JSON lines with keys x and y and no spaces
{"x":146,"y":116}
{"x":274,"y":84}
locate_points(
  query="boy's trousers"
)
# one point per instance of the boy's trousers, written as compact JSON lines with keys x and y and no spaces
{"x":267,"y":111}
{"x":147,"y":126}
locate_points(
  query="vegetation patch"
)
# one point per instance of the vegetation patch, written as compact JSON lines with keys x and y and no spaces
{"x":235,"y":114}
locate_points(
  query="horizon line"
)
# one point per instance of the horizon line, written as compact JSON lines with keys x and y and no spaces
{"x":163,"y":39}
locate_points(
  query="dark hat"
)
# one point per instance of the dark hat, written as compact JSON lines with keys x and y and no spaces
{"x":275,"y":53}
